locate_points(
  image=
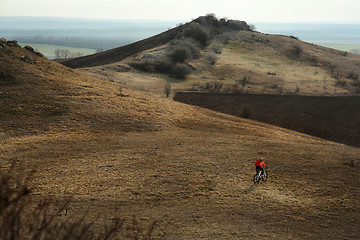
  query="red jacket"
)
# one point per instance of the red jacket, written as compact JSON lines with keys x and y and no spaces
{"x":259,"y":163}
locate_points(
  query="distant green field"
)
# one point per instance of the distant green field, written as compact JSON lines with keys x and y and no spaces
{"x":342,"y":47}
{"x":49,"y":50}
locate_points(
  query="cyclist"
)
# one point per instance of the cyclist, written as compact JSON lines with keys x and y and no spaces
{"x":260,"y":165}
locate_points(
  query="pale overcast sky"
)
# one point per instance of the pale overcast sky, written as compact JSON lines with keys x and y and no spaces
{"x":185,"y":10}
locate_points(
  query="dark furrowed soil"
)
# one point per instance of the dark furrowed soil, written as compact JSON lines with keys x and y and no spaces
{"x":333,"y":118}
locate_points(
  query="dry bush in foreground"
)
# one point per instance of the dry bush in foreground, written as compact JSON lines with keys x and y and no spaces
{"x":21,"y":217}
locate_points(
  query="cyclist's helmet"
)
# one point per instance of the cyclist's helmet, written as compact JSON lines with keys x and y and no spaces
{"x":262,"y":159}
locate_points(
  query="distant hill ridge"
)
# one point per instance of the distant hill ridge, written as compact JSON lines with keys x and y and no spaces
{"x":213,"y":25}
{"x":118,"y":54}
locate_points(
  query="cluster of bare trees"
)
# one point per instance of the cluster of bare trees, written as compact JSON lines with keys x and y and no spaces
{"x":65,"y":53}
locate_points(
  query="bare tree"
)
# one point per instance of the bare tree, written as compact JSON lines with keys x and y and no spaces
{"x":252,"y":27}
{"x":218,"y":86}
{"x":167,"y":89}
{"x":57,"y":53}
{"x":245,"y":80}
{"x":66,"y":53}
{"x":62,"y":53}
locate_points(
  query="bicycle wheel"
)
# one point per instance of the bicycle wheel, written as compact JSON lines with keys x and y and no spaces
{"x":265,"y":176}
{"x":255,"y":179}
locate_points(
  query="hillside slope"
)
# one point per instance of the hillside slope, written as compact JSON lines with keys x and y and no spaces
{"x":120,"y":53}
{"x":273,"y":67}
{"x":246,"y":62}
{"x":201,"y":29}
{"x":124,"y":154}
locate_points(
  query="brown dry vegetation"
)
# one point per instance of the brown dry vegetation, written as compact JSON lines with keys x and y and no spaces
{"x":124,"y":154}
{"x":271,"y":63}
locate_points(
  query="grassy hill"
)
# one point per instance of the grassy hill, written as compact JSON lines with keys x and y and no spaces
{"x":233,"y":61}
{"x":219,"y":54}
{"x":121,"y":153}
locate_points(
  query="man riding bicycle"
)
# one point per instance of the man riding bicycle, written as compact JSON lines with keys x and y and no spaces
{"x":260,"y":165}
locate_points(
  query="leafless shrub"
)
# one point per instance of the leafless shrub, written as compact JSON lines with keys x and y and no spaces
{"x":353,"y":76}
{"x":252,"y":27}
{"x":218,"y":86}
{"x":152,"y":65}
{"x":195,"y":85}
{"x":22,"y":217}
{"x":65,"y":53}
{"x":246,"y":111}
{"x":245,"y":80}
{"x":217,"y":48}
{"x":225,"y":37}
{"x":180,"y":54}
{"x":180,"y":70}
{"x":65,"y":202}
{"x":214,"y":86}
{"x":208,"y":85}
{"x":62,"y":53}
{"x":144,"y":65}
{"x":209,"y":20}
{"x":192,"y":46}
{"x":314,"y":60}
{"x":297,"y":50}
{"x":278,"y":89}
{"x":198,"y":33}
{"x":211,"y":58}
{"x":167,"y":89}
{"x":238,"y":25}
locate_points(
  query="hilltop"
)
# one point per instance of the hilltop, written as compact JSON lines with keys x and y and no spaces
{"x":230,"y":53}
{"x":121,"y":153}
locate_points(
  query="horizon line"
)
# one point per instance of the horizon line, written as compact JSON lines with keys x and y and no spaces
{"x":183,"y":20}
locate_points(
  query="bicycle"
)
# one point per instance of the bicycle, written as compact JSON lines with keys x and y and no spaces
{"x":259,"y":175}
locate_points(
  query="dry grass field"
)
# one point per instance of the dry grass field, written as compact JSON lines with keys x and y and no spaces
{"x":127,"y":154}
